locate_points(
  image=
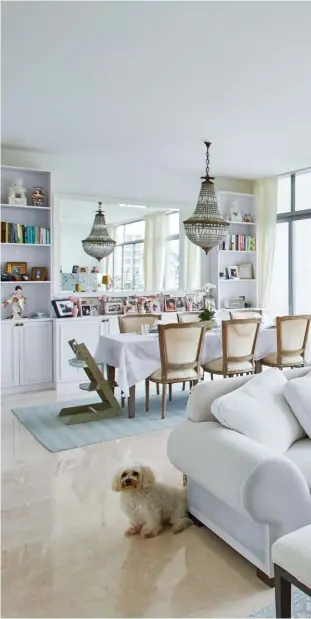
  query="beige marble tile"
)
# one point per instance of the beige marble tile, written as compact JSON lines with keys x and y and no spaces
{"x":63,"y":549}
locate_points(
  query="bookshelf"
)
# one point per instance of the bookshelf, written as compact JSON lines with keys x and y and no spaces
{"x":238,"y":251}
{"x":26,"y":222}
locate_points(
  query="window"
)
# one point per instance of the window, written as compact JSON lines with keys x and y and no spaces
{"x":291,"y":277}
{"x":128,"y":256}
{"x":171,"y":277}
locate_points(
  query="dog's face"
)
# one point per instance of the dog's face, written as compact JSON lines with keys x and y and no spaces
{"x":133,"y":478}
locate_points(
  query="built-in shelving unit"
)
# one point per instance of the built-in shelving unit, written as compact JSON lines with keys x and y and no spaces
{"x":38,"y":293}
{"x":221,"y":259}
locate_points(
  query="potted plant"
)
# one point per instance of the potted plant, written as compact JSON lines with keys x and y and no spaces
{"x":207,"y":316}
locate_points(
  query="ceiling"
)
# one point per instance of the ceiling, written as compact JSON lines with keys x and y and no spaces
{"x":138,"y":85}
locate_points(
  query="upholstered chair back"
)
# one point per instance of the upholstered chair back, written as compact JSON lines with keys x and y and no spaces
{"x":181,"y":346}
{"x":186,"y":317}
{"x":132,"y":323}
{"x":239,"y":338}
{"x":292,"y":335}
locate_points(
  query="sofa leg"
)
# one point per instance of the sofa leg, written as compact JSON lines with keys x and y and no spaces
{"x":262,"y":576}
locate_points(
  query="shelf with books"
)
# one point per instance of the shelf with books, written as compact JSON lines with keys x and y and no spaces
{"x":27,"y":244}
{"x":26,"y":207}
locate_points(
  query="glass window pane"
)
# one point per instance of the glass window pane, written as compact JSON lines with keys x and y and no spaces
{"x":118,"y":234}
{"x":278,"y":305}
{"x":117,"y":268}
{"x":284,"y":188}
{"x":138,"y":270}
{"x":127,"y":267}
{"x":135,"y":231}
{"x":303,"y":191}
{"x":172,"y":265}
{"x":173,"y":223}
{"x":301,"y":266}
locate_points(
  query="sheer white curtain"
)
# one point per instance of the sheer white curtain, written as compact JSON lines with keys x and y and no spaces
{"x":156,"y":231}
{"x":105,"y":265}
{"x":267,"y":192}
{"x":192,"y":265}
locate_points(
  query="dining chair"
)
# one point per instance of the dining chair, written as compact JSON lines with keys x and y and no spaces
{"x":181,"y":348}
{"x":247,"y":313}
{"x":186,"y":317}
{"x":239,"y":337}
{"x":132,"y":323}
{"x":291,"y":340}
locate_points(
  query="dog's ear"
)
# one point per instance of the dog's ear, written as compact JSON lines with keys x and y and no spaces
{"x":115,"y":486}
{"x":147,"y":476}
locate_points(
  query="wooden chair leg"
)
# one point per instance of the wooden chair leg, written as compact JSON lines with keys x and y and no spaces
{"x":164,"y":387}
{"x":170,"y":392}
{"x":184,"y":386}
{"x":147,"y":390}
{"x":158,"y":388}
{"x":212,"y":376}
{"x":123,"y":399}
{"x":282,"y":594}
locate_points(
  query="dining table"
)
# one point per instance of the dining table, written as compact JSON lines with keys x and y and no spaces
{"x":131,"y":357}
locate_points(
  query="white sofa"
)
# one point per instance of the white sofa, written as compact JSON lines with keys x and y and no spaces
{"x":243,"y":491}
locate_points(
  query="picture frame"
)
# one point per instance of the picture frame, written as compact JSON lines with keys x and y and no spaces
{"x":114,"y":307}
{"x":85,"y":309}
{"x":94,"y":310}
{"x":180,"y":304}
{"x":155,"y":306}
{"x":232,"y":272}
{"x":84,"y":270}
{"x":130,"y":309}
{"x":234,"y":303}
{"x":17,"y":269}
{"x":169,"y":304}
{"x":246,"y":271}
{"x":38,"y":274}
{"x":63,"y":308}
{"x":75,"y":268}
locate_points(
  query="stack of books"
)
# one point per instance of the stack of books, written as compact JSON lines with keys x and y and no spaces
{"x":239,"y":242}
{"x":19,"y":233}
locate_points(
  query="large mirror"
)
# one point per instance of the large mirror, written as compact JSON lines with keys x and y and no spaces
{"x":147,"y":238}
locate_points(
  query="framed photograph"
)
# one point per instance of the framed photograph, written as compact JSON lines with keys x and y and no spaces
{"x":63,"y":308}
{"x":234,"y":303}
{"x":222,"y":274}
{"x":94,"y":310}
{"x":114,"y":308}
{"x":155,"y":306}
{"x":85,"y":309}
{"x":246,"y":271}
{"x":180,"y":304}
{"x":17,"y":269}
{"x":38,"y":274}
{"x":169,"y":304}
{"x":232,"y":272}
{"x":75,"y":268}
{"x":84,"y":270}
{"x":130,"y":309}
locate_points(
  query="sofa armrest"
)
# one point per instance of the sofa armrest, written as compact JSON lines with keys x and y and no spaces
{"x":202,"y":396}
{"x":247,"y":476}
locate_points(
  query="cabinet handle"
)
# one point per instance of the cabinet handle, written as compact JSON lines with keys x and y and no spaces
{"x":19,"y":324}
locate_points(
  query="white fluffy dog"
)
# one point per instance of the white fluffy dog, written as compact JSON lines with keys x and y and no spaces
{"x":149,"y":504}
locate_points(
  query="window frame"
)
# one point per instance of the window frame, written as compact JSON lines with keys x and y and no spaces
{"x":171,"y":237}
{"x":290,"y":217}
{"x":122,"y":245}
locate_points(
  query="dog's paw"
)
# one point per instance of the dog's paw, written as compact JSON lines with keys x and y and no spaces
{"x":181,"y":525}
{"x":132,"y":530}
{"x":147,"y":532}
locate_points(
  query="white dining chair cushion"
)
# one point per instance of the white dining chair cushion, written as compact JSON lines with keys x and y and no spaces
{"x":297,"y":393}
{"x":217,"y":365}
{"x":259,"y":410}
{"x":285,"y":359}
{"x":178,"y":374}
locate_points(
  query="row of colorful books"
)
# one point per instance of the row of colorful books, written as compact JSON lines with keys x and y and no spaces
{"x":19,"y":233}
{"x":239,"y":242}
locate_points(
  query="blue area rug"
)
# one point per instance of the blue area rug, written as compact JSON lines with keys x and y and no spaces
{"x":50,"y":430}
{"x":301,"y":606}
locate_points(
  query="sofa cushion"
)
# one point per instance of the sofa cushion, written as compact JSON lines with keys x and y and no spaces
{"x":300,"y":454}
{"x":259,"y":410}
{"x":297,"y":393}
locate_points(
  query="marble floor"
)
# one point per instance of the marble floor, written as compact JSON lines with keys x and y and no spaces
{"x":63,"y":549}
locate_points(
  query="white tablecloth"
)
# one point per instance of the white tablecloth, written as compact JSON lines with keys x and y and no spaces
{"x":137,"y":356}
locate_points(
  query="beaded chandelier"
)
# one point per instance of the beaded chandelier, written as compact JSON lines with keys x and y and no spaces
{"x":99,"y":244}
{"x":206,"y":227}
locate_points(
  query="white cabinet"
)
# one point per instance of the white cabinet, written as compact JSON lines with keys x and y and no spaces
{"x":26,"y":355}
{"x":86,"y":330}
{"x":9,"y":355}
{"x":36,"y":359}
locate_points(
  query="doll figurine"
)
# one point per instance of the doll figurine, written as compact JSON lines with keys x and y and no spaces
{"x":18,"y":303}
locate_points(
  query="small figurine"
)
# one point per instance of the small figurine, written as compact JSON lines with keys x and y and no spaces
{"x":37,"y":196}
{"x":17,"y":193}
{"x":235,"y":214}
{"x":18,"y":303}
{"x":247,"y":218}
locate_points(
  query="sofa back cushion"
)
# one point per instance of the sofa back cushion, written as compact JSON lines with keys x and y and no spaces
{"x":259,"y":410}
{"x":297,"y":393}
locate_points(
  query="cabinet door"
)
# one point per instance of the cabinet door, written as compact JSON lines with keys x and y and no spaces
{"x":9,"y":355}
{"x":36,"y":353}
{"x":83,"y":331}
